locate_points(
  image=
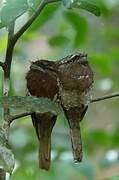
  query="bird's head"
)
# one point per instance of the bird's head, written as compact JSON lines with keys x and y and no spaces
{"x":75,"y":72}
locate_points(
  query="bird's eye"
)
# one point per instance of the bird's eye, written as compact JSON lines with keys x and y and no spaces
{"x":75,"y":57}
{"x":81,"y":58}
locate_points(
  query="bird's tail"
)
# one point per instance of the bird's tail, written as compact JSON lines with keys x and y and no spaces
{"x":45,"y":153}
{"x":74,"y":116}
{"x":76,"y":144}
{"x":44,"y":124}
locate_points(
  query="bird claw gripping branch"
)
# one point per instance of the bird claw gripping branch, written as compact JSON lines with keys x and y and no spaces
{"x":67,"y":81}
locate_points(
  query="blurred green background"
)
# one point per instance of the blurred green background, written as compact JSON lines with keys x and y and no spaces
{"x":56,"y":33}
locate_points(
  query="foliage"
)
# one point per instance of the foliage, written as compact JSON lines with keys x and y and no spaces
{"x":12,"y":9}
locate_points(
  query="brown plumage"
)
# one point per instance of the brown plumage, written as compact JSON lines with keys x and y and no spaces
{"x":42,"y":82}
{"x":67,"y":81}
{"x":76,"y":78}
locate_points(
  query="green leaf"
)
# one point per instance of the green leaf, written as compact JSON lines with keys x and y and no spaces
{"x":79,"y":24}
{"x":58,"y":40}
{"x":89,"y":5}
{"x":30,"y":3}
{"x":6,"y":156}
{"x":11,"y":10}
{"x":45,"y":16}
{"x":31,"y":104}
{"x":67,"y":3}
{"x":33,"y":4}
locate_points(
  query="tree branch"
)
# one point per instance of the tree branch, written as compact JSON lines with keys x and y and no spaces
{"x":32,"y":18}
{"x":91,"y":101}
{"x":104,"y":97}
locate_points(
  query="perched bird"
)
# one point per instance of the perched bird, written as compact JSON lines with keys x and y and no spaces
{"x":42,"y":82}
{"x":75,"y":80}
{"x":67,"y":81}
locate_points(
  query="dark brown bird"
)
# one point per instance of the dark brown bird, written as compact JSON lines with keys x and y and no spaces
{"x":67,"y":81}
{"x":42,"y":82}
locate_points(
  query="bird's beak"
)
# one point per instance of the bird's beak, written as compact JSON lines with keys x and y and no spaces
{"x":83,"y":58}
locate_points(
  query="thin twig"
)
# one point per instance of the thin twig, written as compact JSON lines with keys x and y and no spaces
{"x":104,"y":97}
{"x":9,"y":51}
{"x":32,"y":18}
{"x":51,"y":1}
{"x":20,"y":116}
